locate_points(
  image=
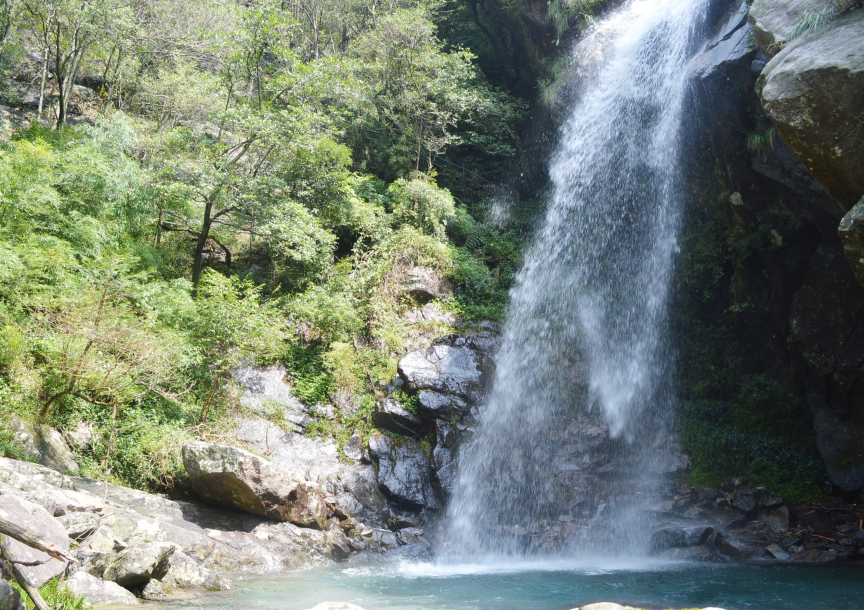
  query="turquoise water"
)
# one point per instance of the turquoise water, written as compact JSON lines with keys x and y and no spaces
{"x":550,"y":586}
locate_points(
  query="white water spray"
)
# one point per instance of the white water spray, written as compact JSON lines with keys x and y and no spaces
{"x":585,"y":335}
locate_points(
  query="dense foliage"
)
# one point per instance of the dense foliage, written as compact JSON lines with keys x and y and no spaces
{"x":250,"y":181}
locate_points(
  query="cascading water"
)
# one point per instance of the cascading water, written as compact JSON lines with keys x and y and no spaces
{"x":583,"y":366}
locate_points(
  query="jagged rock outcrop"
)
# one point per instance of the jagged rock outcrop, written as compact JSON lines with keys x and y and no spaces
{"x":812,"y":90}
{"x":391,"y":415}
{"x":404,"y":472}
{"x":238,"y":479}
{"x":454,"y":365}
{"x":352,"y":486}
{"x":46,"y":445}
{"x":851,"y":231}
{"x":777,"y":263}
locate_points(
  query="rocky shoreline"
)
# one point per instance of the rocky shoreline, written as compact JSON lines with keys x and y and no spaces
{"x":310,"y":503}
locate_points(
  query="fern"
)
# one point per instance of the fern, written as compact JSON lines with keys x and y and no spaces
{"x":760,"y":143}
{"x":815,"y":21}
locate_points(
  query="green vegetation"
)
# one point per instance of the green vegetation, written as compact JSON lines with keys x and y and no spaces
{"x":251,"y":184}
{"x":815,"y":20}
{"x":55,"y":593}
{"x":736,"y":419}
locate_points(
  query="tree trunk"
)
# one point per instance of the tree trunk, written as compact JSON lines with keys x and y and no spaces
{"x":198,"y":256}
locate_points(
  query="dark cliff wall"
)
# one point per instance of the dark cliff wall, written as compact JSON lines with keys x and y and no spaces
{"x":769,"y":319}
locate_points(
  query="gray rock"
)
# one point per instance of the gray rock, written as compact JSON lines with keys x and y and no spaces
{"x":811,"y":90}
{"x":837,"y":440}
{"x":777,"y":553}
{"x":731,"y":45}
{"x":61,"y":502}
{"x":36,"y":519}
{"x":353,"y":487}
{"x":99,"y":592}
{"x":444,"y":456}
{"x":851,"y":231}
{"x":391,"y":415}
{"x":238,"y":479}
{"x":183,"y":572}
{"x":267,"y":392}
{"x":139,"y":563}
{"x":777,"y":518}
{"x":680,"y":537}
{"x":774,"y":20}
{"x":154,"y":590}
{"x":453,"y":365}
{"x":731,"y":547}
{"x":433,"y":405}
{"x":404,"y":472}
{"x":353,"y":449}
{"x":46,"y":445}
{"x":10,"y":598}
{"x":425,"y":283}
{"x":79,"y":525}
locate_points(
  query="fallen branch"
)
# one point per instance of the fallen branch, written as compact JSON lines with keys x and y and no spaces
{"x":33,"y":541}
{"x":30,"y":590}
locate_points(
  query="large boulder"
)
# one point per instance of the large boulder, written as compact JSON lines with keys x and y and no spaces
{"x":813,"y":91}
{"x":37,"y":520}
{"x":773,"y":21}
{"x":404,"y":472}
{"x":238,"y":479}
{"x":46,"y":445}
{"x":139,"y":563}
{"x":99,"y":592}
{"x":455,"y":365}
{"x":353,"y":487}
{"x":851,"y":233}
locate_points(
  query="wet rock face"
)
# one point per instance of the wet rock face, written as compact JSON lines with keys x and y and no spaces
{"x":404,"y":472}
{"x":827,"y":341}
{"x":454,"y":365}
{"x":851,"y":233}
{"x":390,"y":415}
{"x":238,"y":479}
{"x":812,"y":90}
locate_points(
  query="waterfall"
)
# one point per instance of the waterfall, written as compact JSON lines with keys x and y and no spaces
{"x":583,"y":371}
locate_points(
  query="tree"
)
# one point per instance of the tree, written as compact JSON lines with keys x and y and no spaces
{"x":67,"y":29}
